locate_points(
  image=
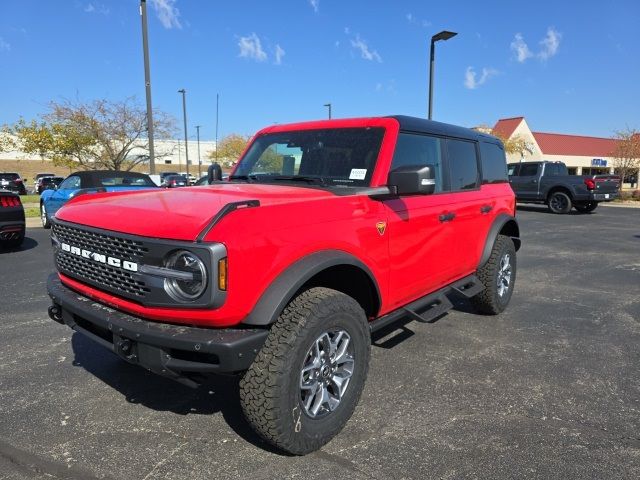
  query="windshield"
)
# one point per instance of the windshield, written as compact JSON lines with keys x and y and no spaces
{"x":332,"y":157}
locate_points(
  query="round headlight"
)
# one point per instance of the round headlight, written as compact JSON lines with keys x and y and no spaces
{"x":185,"y":290}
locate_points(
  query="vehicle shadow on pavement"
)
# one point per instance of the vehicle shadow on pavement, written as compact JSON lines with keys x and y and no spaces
{"x":217,"y":394}
{"x":545,"y":209}
{"x":396,"y":333}
{"x":28,"y":244}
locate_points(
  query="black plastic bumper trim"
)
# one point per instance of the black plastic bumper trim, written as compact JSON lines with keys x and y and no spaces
{"x":169,"y":350}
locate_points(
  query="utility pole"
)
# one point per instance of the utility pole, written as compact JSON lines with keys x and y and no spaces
{"x":199,"y":161}
{"x":147,"y":82}
{"x":186,"y":141}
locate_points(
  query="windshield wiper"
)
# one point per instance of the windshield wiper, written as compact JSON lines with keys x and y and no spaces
{"x":299,"y":178}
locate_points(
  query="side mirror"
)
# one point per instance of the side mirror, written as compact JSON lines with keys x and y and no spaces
{"x":412,"y":180}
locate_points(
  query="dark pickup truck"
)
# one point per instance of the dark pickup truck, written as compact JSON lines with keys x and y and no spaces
{"x":550,"y":183}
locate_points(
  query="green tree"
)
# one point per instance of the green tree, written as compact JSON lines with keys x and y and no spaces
{"x":100,"y":134}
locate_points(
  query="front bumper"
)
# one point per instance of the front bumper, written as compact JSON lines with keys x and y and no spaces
{"x":175,"y":351}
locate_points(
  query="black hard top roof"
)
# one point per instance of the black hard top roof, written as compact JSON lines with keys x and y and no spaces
{"x":422,"y":125}
{"x":93,"y":177}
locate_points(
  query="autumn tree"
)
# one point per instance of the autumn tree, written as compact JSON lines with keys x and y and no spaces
{"x":626,"y":157}
{"x":230,"y":148}
{"x":100,"y":134}
{"x":515,"y":144}
{"x":7,"y":141}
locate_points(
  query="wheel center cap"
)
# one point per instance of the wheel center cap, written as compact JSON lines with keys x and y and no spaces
{"x":325,"y":371}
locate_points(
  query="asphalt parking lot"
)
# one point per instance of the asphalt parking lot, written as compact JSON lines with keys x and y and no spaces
{"x":549,"y":389}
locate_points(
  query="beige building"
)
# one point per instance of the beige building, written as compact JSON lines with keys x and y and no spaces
{"x":583,"y":155}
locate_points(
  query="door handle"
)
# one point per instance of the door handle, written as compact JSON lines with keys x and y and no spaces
{"x":486,"y":208}
{"x":447,"y":217}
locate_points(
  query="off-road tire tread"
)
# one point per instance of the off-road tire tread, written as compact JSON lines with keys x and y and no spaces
{"x":258,"y":387}
{"x":485,"y":301}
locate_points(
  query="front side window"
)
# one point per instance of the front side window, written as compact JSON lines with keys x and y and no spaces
{"x":463,"y":164}
{"x":512,"y":169}
{"x":71,"y":183}
{"x":528,"y":170}
{"x":419,"y":150}
{"x":330,"y":157}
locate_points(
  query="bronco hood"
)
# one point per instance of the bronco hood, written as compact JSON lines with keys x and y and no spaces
{"x":177,"y":214}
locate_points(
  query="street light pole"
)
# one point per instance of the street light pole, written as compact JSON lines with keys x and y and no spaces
{"x":186,"y":141}
{"x":217,"y":111}
{"x":444,"y":35}
{"x":147,"y":82}
{"x":328,"y":105}
{"x":199,"y":161}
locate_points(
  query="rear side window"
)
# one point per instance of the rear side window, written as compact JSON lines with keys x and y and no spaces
{"x":463,"y":165}
{"x":512,"y":169}
{"x":528,"y":169}
{"x":494,"y":163}
{"x":419,"y":150}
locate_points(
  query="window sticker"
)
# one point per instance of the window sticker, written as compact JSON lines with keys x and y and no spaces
{"x":358,"y":174}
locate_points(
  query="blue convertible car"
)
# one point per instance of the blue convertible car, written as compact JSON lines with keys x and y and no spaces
{"x":93,"y":181}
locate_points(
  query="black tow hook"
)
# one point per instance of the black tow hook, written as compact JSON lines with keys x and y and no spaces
{"x":55,"y":313}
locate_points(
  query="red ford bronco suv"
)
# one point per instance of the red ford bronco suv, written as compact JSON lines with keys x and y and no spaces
{"x":325,"y":232}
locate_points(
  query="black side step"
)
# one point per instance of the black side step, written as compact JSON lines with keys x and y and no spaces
{"x":432,"y":306}
{"x":469,"y":286}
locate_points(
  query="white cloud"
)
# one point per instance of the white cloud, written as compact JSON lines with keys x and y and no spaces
{"x":4,"y":46}
{"x":471,"y":81}
{"x":167,"y":13}
{"x":96,"y":8}
{"x":359,"y":44}
{"x":416,"y":21}
{"x":550,"y":44}
{"x":337,"y":43}
{"x":520,"y":48}
{"x":251,"y":47}
{"x":315,"y":4}
{"x":347,"y":30}
{"x":279,"y":54}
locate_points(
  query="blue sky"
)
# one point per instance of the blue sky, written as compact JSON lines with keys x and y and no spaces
{"x":568,"y":67}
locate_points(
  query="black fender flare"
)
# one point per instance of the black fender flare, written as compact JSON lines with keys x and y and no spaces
{"x":498,"y":224}
{"x":281,"y":291}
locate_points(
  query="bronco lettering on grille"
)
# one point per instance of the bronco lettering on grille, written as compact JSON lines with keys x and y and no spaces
{"x":100,"y":258}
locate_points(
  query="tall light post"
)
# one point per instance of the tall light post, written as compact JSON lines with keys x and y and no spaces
{"x":199,"y":161}
{"x":186,"y":141}
{"x":217,"y":112}
{"x":147,"y":82}
{"x":444,"y":35}
{"x":328,"y":105}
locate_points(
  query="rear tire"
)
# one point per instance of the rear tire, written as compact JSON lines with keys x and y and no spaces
{"x":302,"y":388}
{"x":559,"y":202}
{"x":44,"y":216}
{"x":587,"y":207}
{"x":498,"y":276}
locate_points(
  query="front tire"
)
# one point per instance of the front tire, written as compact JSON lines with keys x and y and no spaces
{"x":307,"y":379}
{"x":44,"y":216}
{"x":587,"y":207}
{"x":498,"y":276}
{"x":559,"y":202}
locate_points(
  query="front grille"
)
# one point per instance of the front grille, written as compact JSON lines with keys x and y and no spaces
{"x":102,"y":275}
{"x":115,"y":280}
{"x":111,"y":245}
